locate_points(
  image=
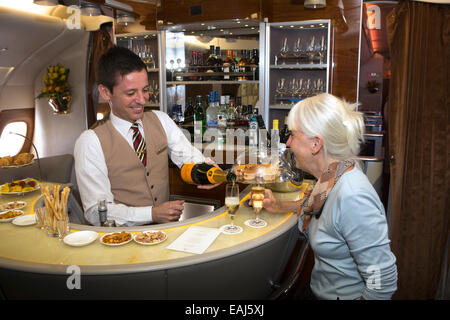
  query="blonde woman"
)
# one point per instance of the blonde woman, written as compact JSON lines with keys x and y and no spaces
{"x":343,"y":218}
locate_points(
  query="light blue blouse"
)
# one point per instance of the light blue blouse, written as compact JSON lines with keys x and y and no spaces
{"x":352,"y":255}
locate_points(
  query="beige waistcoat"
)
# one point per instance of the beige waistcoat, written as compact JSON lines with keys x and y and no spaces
{"x":133,"y":184}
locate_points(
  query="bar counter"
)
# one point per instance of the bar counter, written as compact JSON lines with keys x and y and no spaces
{"x":240,"y":266}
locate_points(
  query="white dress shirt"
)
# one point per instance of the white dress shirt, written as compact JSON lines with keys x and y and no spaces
{"x":92,"y":172}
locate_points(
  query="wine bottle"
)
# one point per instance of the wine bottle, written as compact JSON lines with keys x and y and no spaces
{"x":203,"y":173}
{"x":199,"y":116}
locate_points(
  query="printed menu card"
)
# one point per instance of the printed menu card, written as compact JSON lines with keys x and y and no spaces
{"x":195,"y":240}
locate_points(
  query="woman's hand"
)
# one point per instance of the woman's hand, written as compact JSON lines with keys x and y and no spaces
{"x":270,"y":203}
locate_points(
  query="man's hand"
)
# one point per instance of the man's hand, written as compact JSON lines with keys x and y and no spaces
{"x":168,"y":211}
{"x":208,"y":186}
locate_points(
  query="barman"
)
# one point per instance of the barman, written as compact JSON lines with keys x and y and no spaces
{"x":125,"y":159}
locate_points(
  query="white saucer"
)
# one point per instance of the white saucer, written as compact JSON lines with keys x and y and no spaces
{"x":26,"y":220}
{"x":80,"y":238}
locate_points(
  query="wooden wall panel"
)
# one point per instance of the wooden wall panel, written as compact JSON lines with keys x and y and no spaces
{"x":346,"y":20}
{"x":178,"y":11}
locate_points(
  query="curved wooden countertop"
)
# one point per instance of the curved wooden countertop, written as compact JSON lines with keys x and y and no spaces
{"x":28,"y":248}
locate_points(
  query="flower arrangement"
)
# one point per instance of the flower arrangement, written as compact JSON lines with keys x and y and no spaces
{"x":56,"y":85}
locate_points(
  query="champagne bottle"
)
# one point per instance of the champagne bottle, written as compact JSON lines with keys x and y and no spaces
{"x":203,"y":173}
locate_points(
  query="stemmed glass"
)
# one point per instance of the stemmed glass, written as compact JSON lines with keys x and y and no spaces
{"x":151,"y":60}
{"x":150,"y":91}
{"x":281,"y":89}
{"x":155,"y":92}
{"x":232,"y":206}
{"x":297,"y":51}
{"x":284,"y":49}
{"x":321,"y":50}
{"x":257,"y":196}
{"x":310,"y":50}
{"x":293,"y":89}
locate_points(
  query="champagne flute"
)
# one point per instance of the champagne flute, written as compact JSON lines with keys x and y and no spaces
{"x":257,"y":196}
{"x":232,"y":206}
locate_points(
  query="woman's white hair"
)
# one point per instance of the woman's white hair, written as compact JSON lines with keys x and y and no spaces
{"x":335,"y":120}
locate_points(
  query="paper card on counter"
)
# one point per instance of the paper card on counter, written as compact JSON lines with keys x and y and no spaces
{"x":195,"y":240}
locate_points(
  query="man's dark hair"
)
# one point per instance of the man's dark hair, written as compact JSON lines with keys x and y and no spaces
{"x":117,"y":61}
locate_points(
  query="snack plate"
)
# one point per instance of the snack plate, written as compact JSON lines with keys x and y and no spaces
{"x":36,"y":187}
{"x":25,"y":220}
{"x":9,"y":219}
{"x":115,"y":244}
{"x":149,"y":243}
{"x":80,"y":238}
{"x":18,"y":165}
{"x":13,"y":205}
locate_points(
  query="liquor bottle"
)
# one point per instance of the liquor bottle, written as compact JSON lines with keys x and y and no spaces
{"x":254,"y":64}
{"x":227,"y":64}
{"x":284,"y":134}
{"x":264,"y":138}
{"x":275,"y":135}
{"x":202,"y":173}
{"x":199,"y":116}
{"x":242,"y":65}
{"x":218,"y":56}
{"x":211,"y":60}
{"x":253,"y":129}
{"x":211,"y":112}
{"x":222,"y":113}
{"x":235,"y":58}
{"x":231,"y":113}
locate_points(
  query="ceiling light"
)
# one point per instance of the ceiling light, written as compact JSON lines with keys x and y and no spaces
{"x":315,"y":4}
{"x":125,"y":18}
{"x":46,"y":2}
{"x":89,"y":9}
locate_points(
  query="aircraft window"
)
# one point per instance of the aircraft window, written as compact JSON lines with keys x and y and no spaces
{"x":10,"y":144}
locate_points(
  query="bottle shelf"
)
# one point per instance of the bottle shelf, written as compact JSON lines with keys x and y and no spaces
{"x":303,"y":66}
{"x":175,"y":83}
{"x":281,"y":106}
{"x":152,"y":69}
{"x":212,"y":74}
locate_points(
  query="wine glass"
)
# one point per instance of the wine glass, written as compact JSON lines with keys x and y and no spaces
{"x":322,"y":50}
{"x":284,"y":49}
{"x":257,"y":196}
{"x":232,"y":206}
{"x":310,"y":51}
{"x":281,"y":89}
{"x":155,"y":92}
{"x":297,"y":51}
{"x":151,"y":60}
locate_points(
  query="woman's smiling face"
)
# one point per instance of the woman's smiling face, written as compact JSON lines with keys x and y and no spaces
{"x":301,"y":146}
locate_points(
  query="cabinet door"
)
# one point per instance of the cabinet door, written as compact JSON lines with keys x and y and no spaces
{"x":298,"y":63}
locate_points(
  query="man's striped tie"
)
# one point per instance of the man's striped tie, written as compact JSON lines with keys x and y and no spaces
{"x":139,"y":144}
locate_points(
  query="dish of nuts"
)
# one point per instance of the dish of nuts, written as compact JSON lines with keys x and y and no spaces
{"x":150,"y":237}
